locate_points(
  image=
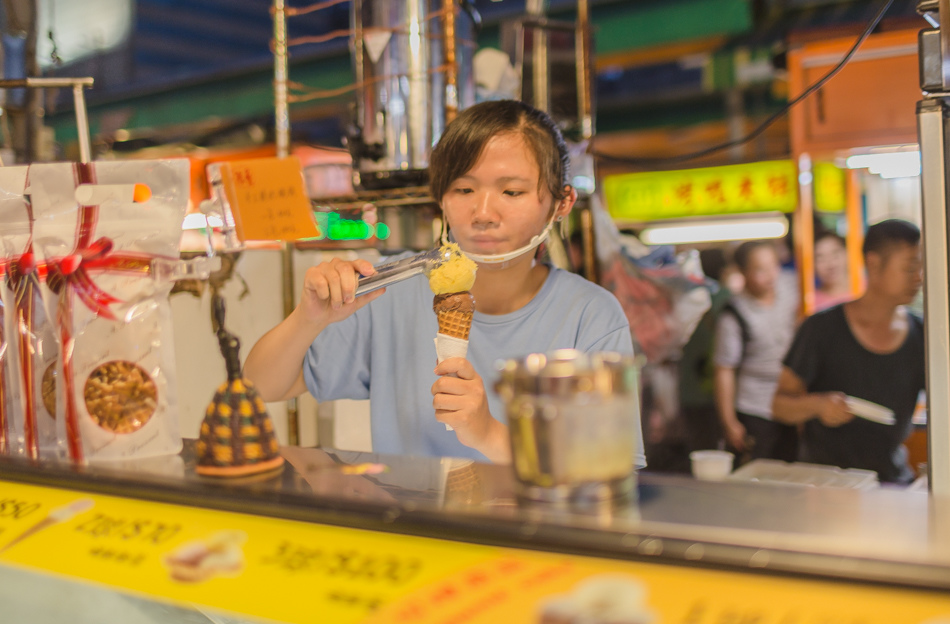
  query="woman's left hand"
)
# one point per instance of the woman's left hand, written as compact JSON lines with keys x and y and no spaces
{"x":460,"y":401}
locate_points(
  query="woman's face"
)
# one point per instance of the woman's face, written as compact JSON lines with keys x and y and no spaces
{"x":497,"y":206}
{"x":831,"y":262}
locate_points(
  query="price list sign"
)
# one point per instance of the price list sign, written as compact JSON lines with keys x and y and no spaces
{"x":268,"y":199}
{"x":285,"y":571}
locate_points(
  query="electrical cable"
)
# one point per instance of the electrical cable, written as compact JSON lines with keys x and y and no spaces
{"x":319,"y":6}
{"x":319,"y":94}
{"x":768,"y":122}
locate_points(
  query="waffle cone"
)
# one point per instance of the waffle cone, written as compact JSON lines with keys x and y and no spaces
{"x":454,"y":312}
{"x":455,"y":323}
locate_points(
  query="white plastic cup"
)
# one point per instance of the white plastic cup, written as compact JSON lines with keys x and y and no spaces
{"x":711,"y":465}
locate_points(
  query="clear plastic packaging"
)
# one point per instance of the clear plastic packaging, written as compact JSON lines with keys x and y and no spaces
{"x":775,"y":472}
{"x":9,"y":388}
{"x":32,"y":354}
{"x":111,"y":308}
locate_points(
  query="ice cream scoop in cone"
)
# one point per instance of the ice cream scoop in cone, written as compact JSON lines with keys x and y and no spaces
{"x":454,"y":312}
{"x":453,"y":304}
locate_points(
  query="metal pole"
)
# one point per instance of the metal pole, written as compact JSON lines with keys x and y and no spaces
{"x":582,"y":52}
{"x":589,"y":242}
{"x":282,"y":127}
{"x":803,"y":224}
{"x":281,"y":112}
{"x":82,"y":124}
{"x":932,"y":134}
{"x":855,"y":237}
{"x":539,"y":71}
{"x":451,"y":63}
{"x":79,"y":103}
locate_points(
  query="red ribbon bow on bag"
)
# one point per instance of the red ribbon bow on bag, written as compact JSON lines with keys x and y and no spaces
{"x":70,"y":275}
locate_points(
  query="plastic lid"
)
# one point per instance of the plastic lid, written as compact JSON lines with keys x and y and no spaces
{"x":567,"y":372}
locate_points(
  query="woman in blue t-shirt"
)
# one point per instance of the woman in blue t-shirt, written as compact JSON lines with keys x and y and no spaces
{"x":499,"y":174}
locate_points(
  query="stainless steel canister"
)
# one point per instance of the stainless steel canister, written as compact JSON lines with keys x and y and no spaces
{"x":573,"y":419}
{"x":399,"y":58}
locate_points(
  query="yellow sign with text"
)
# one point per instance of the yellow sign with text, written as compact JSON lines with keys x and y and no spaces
{"x":296,"y":572}
{"x":830,"y":187}
{"x":770,"y":186}
{"x":268,"y":199}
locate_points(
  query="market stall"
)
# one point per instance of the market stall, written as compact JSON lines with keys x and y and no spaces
{"x":107,"y":510}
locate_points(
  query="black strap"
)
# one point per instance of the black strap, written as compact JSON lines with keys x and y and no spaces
{"x":745,"y":332}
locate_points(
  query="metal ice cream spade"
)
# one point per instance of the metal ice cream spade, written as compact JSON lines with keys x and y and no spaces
{"x":398,"y":270}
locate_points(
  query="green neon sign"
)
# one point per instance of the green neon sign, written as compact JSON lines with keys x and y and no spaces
{"x":335,"y":227}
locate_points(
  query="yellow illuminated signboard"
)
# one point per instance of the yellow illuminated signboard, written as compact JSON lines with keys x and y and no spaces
{"x":756,"y":187}
{"x":286,"y":571}
{"x":830,"y":187}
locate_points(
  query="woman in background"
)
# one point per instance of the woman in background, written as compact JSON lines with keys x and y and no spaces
{"x":831,"y":271}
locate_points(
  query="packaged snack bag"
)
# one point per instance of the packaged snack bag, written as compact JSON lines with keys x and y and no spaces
{"x":32,"y":351}
{"x":105,"y":231}
{"x":9,"y":391}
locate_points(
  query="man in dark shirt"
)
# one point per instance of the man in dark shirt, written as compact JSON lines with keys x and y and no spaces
{"x":870,"y":349}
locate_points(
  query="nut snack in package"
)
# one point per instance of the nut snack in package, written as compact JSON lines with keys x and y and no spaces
{"x":31,"y":355}
{"x":108,"y":231}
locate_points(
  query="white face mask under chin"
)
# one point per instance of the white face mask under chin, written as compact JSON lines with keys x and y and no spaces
{"x":507,"y":256}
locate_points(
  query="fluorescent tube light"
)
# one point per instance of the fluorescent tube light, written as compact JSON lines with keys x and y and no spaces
{"x":903,"y":164}
{"x":715,"y":230}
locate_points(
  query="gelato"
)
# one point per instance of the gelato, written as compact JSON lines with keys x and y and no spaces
{"x":455,"y":274}
{"x":453,"y":304}
{"x":454,"y":312}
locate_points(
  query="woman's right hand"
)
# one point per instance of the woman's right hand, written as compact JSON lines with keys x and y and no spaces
{"x":735,"y":435}
{"x":329,"y":290}
{"x":833,"y":409}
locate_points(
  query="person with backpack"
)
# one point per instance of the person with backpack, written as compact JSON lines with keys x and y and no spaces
{"x":753,"y":333}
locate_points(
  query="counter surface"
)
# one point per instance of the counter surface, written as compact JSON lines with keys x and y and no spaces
{"x":882,"y":535}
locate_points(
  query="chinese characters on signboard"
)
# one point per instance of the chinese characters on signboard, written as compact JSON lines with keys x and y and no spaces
{"x":268,"y":199}
{"x":770,"y":186}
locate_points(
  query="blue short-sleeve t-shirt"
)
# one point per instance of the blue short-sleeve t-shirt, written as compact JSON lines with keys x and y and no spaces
{"x":385,"y":353}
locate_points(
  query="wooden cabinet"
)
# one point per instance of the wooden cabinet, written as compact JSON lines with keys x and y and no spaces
{"x":871,"y":101}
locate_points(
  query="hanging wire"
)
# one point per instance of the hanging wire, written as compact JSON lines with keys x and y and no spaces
{"x":315,"y":94}
{"x":319,"y":38}
{"x":764,"y":125}
{"x":319,"y":6}
{"x":313,"y":39}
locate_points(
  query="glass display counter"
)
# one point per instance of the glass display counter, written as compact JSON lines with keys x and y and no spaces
{"x":344,"y":537}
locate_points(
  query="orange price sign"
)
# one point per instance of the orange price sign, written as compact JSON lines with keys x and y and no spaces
{"x":268,"y":199}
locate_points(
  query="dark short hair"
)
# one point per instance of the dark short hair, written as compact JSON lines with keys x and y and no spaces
{"x":465,"y":138}
{"x":825,"y":234}
{"x":881,"y":238}
{"x":744,"y":251}
{"x":713,"y":261}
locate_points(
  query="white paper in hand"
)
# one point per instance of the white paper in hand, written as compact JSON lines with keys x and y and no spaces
{"x":870,"y":411}
{"x":449,"y":347}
